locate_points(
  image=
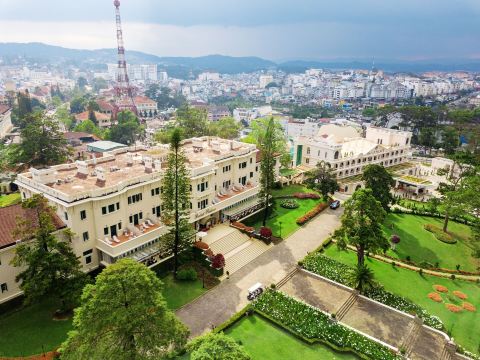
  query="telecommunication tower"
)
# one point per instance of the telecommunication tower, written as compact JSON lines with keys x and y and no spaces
{"x":123,"y":90}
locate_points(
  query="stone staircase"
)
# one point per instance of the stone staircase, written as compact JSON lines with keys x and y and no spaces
{"x":229,"y":243}
{"x":347,"y":305}
{"x":287,"y":277}
{"x":237,"y":248}
{"x":411,"y":336}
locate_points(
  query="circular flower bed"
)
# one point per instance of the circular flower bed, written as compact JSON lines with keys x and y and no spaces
{"x":289,"y":204}
{"x":453,"y":308}
{"x":435,"y":297}
{"x":440,"y":288}
{"x":469,"y":307}
{"x":460,"y":295}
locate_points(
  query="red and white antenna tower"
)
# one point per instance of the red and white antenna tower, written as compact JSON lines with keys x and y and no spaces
{"x":123,"y":90}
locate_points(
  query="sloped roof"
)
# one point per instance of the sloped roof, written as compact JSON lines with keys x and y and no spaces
{"x":8,"y":222}
{"x":358,"y":146}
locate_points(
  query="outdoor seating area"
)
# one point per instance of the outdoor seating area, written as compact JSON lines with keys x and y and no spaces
{"x":232,"y":190}
{"x":131,"y":232}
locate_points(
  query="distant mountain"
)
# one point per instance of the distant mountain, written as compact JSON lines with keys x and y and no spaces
{"x":184,"y":67}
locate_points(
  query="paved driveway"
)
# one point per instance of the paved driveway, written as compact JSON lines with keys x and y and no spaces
{"x":220,"y":303}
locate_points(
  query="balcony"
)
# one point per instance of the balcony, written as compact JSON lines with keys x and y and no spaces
{"x":137,"y":236}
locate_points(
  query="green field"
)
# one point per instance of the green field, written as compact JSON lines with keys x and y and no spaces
{"x":287,"y":217}
{"x":178,"y":293}
{"x":463,"y":326}
{"x":11,"y":199}
{"x":421,"y":245}
{"x":31,"y":330}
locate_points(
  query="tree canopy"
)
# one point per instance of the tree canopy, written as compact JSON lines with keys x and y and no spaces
{"x":362,"y":225}
{"x":216,"y":347}
{"x":42,"y":142}
{"x":322,"y":179}
{"x":128,"y":129}
{"x":124,"y":316}
{"x":379,"y":180}
{"x":193,"y":121}
{"x":49,"y":266}
{"x":225,"y":128}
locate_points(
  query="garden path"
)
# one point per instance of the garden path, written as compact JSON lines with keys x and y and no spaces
{"x":383,"y":323}
{"x":219,"y":304}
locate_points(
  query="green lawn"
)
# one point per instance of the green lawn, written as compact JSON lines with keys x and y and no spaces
{"x":25,"y":331}
{"x":265,"y":340}
{"x":31,"y":330}
{"x":178,"y":293}
{"x":421,"y":245}
{"x":11,"y":199}
{"x":287,"y":217}
{"x":464,"y":326}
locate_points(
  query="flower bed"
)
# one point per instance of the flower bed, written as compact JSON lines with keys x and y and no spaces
{"x":313,"y":325}
{"x":341,"y":273}
{"x":306,"y":196}
{"x":440,"y":288}
{"x":289,"y":204}
{"x":312,"y":213}
{"x":460,"y":295}
{"x":435,"y":297}
{"x":440,"y":234}
{"x":469,"y":307}
{"x":453,"y":308}
{"x":242,"y":227}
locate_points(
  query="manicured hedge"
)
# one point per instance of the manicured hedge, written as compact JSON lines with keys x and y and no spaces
{"x":312,"y":213}
{"x":339,"y":272}
{"x":313,"y":325}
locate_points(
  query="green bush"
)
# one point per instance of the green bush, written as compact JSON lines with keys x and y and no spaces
{"x":188,"y":274}
{"x":440,"y":234}
{"x":289,"y":204}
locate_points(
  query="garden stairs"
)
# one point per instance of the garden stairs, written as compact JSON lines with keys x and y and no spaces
{"x":237,"y":248}
{"x":411,"y":336}
{"x":347,"y":305}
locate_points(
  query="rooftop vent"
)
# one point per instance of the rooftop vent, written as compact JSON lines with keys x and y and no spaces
{"x":100,"y":171}
{"x":82,"y":169}
{"x":148,"y":161}
{"x":43,"y":176}
{"x":215,"y":145}
{"x":130,"y":159}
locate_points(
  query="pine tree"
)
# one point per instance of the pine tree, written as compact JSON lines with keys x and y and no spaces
{"x":176,"y":199}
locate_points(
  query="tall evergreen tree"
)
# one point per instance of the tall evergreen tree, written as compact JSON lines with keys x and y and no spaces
{"x":124,"y":316}
{"x":271,"y":144}
{"x":176,"y":199}
{"x":50,"y":268}
{"x":379,"y":180}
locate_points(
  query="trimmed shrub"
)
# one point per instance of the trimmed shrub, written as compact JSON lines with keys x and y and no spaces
{"x":440,"y":234}
{"x":306,"y":196}
{"x":218,"y":261}
{"x":187,"y":274}
{"x":289,"y":204}
{"x":312,"y":213}
{"x":265,"y":232}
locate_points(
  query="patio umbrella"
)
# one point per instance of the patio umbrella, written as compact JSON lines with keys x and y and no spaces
{"x":201,"y":234}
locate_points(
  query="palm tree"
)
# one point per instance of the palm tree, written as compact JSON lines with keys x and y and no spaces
{"x":362,"y":278}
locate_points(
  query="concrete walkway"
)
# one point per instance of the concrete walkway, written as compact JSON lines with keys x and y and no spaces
{"x":230,"y":296}
{"x":388,"y":325}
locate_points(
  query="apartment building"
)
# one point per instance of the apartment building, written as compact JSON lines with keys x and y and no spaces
{"x":348,"y":151}
{"x":5,"y":120}
{"x":113,"y":203}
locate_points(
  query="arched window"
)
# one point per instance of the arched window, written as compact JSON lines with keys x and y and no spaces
{"x":336,"y":155}
{"x":406,"y":142}
{"x":358,"y":187}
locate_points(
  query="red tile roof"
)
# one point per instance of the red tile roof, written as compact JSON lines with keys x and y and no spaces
{"x":84,"y":116}
{"x":8,"y":222}
{"x":143,"y":100}
{"x":4,"y":108}
{"x":105,"y":105}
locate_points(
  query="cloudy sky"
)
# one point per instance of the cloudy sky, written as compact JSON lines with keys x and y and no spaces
{"x":273,"y":29}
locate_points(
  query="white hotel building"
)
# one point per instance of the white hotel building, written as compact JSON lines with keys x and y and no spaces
{"x":348,"y":151}
{"x":113,"y":204}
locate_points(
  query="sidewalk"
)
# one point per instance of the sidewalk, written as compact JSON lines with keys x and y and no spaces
{"x":219,"y":304}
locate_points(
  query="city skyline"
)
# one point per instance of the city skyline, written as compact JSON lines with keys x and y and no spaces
{"x":311,"y":30}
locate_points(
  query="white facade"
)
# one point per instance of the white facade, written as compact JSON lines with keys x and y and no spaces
{"x":348,"y":152}
{"x":5,"y":121}
{"x":107,"y":203}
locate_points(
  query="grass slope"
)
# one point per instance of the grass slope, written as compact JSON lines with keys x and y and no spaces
{"x":421,"y":245}
{"x":464,"y":326}
{"x":178,"y":293}
{"x":287,"y":217}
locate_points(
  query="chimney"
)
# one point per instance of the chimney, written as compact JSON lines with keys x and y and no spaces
{"x":130,"y":159}
{"x":82,"y":169}
{"x":215,"y":145}
{"x":101,"y":178}
{"x":43,"y":176}
{"x":148,"y":164}
{"x":157,"y":164}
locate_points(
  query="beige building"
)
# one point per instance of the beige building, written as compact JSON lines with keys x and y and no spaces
{"x":348,"y":152}
{"x":113,"y":203}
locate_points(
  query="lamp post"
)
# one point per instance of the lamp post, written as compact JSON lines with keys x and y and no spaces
{"x":280,"y":229}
